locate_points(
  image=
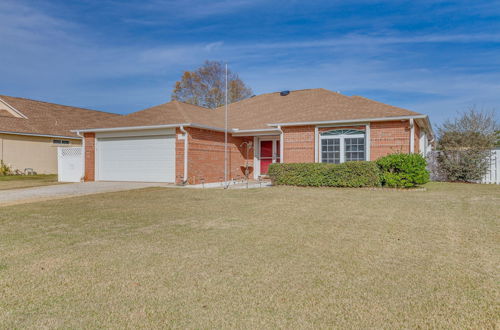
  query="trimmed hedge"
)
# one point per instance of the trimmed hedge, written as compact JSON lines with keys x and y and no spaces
{"x":349,"y":174}
{"x":403,"y":170}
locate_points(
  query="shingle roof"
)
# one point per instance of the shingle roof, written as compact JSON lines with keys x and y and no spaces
{"x":173,"y":112}
{"x":257,"y":112}
{"x":306,"y":105}
{"x":48,"y":118}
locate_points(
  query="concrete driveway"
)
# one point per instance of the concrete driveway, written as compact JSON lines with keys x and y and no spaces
{"x":17,"y":196}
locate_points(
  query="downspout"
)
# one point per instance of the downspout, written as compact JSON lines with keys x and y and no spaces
{"x":316,"y":144}
{"x":281,"y":144}
{"x":412,"y":136}
{"x":185,"y":175}
{"x":83,"y":151}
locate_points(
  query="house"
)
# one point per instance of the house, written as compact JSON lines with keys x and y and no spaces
{"x":31,"y":131}
{"x":179,"y":142}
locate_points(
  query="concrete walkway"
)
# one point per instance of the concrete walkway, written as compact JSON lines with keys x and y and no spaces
{"x":26,"y":195}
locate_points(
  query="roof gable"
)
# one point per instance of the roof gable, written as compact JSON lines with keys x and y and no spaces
{"x":6,"y":110}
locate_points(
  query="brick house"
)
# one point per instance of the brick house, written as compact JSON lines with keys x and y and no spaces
{"x":179,"y":142}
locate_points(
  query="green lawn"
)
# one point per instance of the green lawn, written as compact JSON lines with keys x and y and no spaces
{"x":27,"y":181}
{"x":261,"y":258}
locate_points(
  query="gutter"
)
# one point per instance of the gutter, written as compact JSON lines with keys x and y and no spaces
{"x":128,"y":128}
{"x":42,"y":135}
{"x":255,"y":132}
{"x":363,"y":120}
{"x":186,"y":148}
{"x":137,"y":128}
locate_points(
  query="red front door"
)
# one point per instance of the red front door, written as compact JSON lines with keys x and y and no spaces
{"x":269,"y":153}
{"x":266,"y":155}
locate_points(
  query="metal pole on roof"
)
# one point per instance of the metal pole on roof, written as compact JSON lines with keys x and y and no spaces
{"x":225,"y":137}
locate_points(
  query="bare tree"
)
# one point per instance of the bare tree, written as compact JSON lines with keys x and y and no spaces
{"x":206,"y":86}
{"x":464,"y":145}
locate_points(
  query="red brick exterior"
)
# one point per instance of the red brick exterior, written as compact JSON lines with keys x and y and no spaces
{"x":89,"y":139}
{"x":385,"y":138}
{"x":206,"y":149}
{"x":206,"y":156}
{"x":298,"y":145}
{"x":389,"y":137}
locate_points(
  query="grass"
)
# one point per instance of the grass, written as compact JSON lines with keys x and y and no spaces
{"x":282,"y":257}
{"x":27,"y":181}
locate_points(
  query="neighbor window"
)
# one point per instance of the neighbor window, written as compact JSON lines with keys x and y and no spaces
{"x":60,"y":141}
{"x":342,"y":145}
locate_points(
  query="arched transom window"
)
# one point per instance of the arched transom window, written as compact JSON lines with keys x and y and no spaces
{"x":342,"y":145}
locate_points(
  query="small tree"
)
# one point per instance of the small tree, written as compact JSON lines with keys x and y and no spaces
{"x":206,"y":86}
{"x":464,"y":145}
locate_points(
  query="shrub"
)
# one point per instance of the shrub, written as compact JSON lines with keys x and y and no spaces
{"x":403,"y":170}
{"x":349,"y":174}
{"x":464,"y":145}
{"x":4,"y":169}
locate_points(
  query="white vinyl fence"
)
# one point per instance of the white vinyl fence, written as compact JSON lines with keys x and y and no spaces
{"x":70,"y":164}
{"x":493,"y":174}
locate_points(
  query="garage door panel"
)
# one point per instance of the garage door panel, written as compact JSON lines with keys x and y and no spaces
{"x":150,"y":158}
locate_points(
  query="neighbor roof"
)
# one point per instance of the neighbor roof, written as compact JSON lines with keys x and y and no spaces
{"x":43,"y":118}
{"x":308,"y":105}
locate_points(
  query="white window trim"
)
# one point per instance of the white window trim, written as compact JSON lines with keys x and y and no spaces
{"x":317,"y":140}
{"x":342,"y":137}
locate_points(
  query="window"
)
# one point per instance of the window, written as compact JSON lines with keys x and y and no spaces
{"x":330,"y":151}
{"x":354,"y":149}
{"x":338,"y":146}
{"x":60,"y":141}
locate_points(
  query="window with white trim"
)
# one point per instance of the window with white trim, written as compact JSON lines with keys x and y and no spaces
{"x":342,"y":145}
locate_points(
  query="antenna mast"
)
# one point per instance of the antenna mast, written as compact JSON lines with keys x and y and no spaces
{"x":225,"y":137}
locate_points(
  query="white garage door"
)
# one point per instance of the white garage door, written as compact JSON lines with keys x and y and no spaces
{"x":149,"y":159}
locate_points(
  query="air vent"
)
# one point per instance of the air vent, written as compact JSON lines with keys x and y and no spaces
{"x":284,"y":93}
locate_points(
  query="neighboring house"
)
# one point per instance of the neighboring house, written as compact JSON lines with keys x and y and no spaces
{"x":31,"y":131}
{"x":179,"y":142}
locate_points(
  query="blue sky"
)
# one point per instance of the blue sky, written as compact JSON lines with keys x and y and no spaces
{"x":435,"y":57}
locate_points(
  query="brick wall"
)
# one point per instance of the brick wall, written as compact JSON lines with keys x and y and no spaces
{"x":206,"y":156}
{"x":89,"y":156}
{"x":206,"y":149}
{"x":389,"y":137}
{"x":386,"y":138}
{"x":298,"y":146}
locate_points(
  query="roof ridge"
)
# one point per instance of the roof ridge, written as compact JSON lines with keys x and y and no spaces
{"x":248,"y":98}
{"x":58,"y":104}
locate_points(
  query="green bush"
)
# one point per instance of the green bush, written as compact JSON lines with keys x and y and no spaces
{"x":4,"y":169}
{"x":349,"y":174}
{"x":403,"y":170}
